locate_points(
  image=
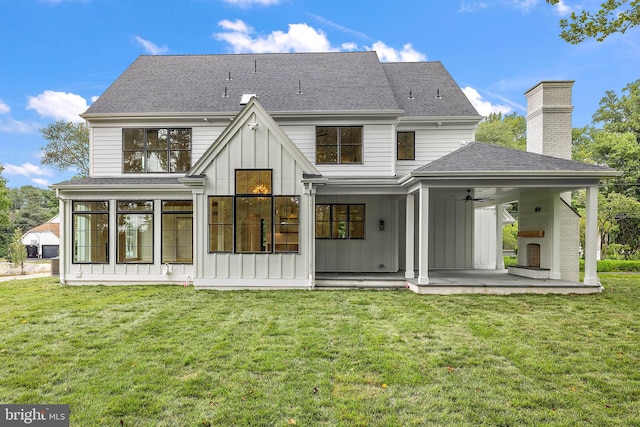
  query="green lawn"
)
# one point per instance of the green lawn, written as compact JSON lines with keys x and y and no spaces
{"x":171,"y":356}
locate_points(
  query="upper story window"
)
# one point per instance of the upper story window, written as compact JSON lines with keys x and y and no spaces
{"x":162,"y":150}
{"x":338,"y":145}
{"x":406,"y":145}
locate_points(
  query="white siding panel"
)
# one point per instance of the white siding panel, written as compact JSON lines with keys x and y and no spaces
{"x":433,"y":143}
{"x":106,"y":150}
{"x":201,"y":139}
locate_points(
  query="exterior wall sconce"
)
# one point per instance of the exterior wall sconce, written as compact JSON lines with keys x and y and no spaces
{"x":252,"y":125}
{"x":381,"y":225}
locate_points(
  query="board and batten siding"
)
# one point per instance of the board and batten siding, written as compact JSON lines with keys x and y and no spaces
{"x":451,"y":224}
{"x":254,"y":149}
{"x":377,"y":252}
{"x":106,"y":146}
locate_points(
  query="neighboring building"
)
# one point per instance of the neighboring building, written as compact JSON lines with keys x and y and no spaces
{"x":265,"y":170}
{"x":43,"y":241}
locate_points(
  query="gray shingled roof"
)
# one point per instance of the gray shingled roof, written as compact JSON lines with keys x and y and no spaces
{"x":480,"y":157}
{"x":330,"y":81}
{"x":133,"y":182}
{"x":425,"y":81}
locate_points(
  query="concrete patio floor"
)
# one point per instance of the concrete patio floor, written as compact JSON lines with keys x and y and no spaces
{"x":445,"y":282}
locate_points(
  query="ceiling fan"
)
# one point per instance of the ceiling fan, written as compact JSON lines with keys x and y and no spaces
{"x":470,"y":198}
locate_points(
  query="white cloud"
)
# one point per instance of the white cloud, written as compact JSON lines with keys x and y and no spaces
{"x":483,"y":106}
{"x":42,"y":182}
{"x":562,"y":8}
{"x":94,"y":98}
{"x":249,"y":3}
{"x":472,"y":6}
{"x":150,"y":47}
{"x":27,"y":169}
{"x":58,"y":105}
{"x":299,"y":38}
{"x":10,"y":125}
{"x":236,"y":26}
{"x":389,"y":54}
{"x":302,"y":38}
{"x":349,"y":47}
{"x":4,"y":108}
{"x":525,"y":5}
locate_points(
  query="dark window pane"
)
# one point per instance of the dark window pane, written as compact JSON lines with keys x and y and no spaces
{"x":287,"y":223}
{"x":406,"y":145}
{"x":180,"y":139}
{"x":177,"y":231}
{"x":132,"y":161}
{"x":133,"y":139}
{"x":257,"y":181}
{"x":90,"y":236}
{"x":157,"y":139}
{"x":253,"y":224}
{"x":221,"y":224}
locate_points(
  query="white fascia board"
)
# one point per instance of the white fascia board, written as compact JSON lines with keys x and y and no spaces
{"x":441,"y":119}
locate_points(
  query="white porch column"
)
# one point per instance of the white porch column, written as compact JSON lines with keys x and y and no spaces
{"x":410,"y":237}
{"x":65,"y":219}
{"x":423,"y":236}
{"x":591,"y":237}
{"x":499,"y":225}
{"x":556,"y":221}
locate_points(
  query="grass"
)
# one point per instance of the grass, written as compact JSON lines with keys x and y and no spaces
{"x":171,"y":356}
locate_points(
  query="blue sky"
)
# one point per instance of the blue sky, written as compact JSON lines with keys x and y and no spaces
{"x":57,"y":56}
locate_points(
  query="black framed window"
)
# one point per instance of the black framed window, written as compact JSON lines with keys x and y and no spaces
{"x":253,"y":220}
{"x":177,"y":231}
{"x":406,"y":143}
{"x":90,"y":231}
{"x":156,"y":150}
{"x":338,"y":145}
{"x":135,"y":232}
{"x":340,"y":221}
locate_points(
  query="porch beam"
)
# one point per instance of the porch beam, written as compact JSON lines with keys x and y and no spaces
{"x":591,"y":237}
{"x":423,"y":236}
{"x":409,"y":272}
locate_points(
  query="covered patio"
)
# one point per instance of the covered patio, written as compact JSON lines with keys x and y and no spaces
{"x":447,"y":282}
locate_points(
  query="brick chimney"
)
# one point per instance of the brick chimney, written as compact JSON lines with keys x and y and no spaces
{"x":549,"y":118}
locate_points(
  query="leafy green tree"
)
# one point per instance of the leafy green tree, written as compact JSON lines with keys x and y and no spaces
{"x":17,"y":251}
{"x":612,"y":208}
{"x":620,"y":151}
{"x":5,"y":202}
{"x":503,"y":130}
{"x":620,"y":113}
{"x":614,"y":16}
{"x":68,"y":146}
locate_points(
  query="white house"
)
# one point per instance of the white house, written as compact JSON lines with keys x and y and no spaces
{"x":268,"y":170}
{"x":43,"y":241}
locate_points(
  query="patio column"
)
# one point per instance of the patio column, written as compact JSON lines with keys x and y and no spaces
{"x":410,"y":238}
{"x":591,"y":237}
{"x":556,"y":221}
{"x":499,"y":225}
{"x":423,"y":237}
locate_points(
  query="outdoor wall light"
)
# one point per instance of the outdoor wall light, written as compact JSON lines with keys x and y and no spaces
{"x":382,"y":225}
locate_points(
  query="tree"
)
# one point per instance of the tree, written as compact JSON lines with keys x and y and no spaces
{"x":620,"y":114}
{"x":68,"y":146}
{"x":5,"y":202}
{"x":612,"y":208}
{"x":503,"y":130}
{"x":17,"y":251}
{"x":614,"y":16}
